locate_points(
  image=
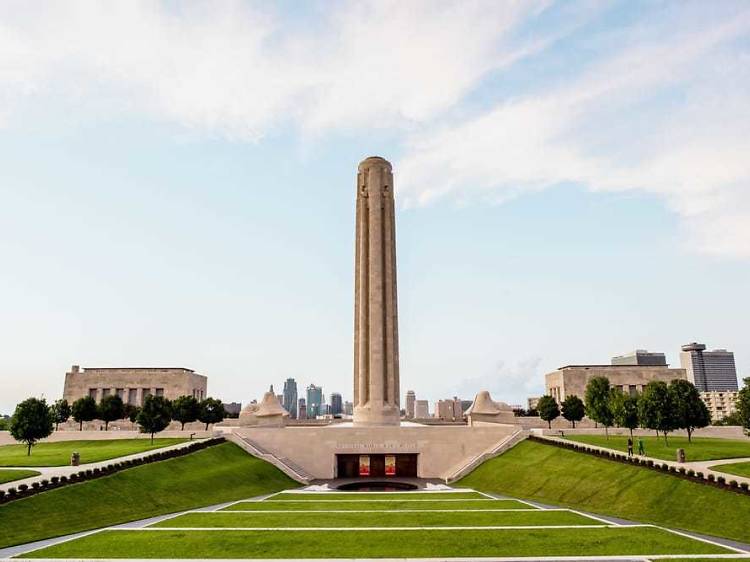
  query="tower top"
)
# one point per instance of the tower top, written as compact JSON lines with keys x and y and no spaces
{"x":371,"y":161}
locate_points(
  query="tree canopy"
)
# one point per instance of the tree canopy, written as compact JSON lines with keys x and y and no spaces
{"x":548,"y":409}
{"x":84,"y":409}
{"x":212,"y":411}
{"x":624,"y":409}
{"x":111,"y":408}
{"x":597,"y":398}
{"x":743,"y":405}
{"x":655,"y":408}
{"x":31,"y":421}
{"x":60,"y":411}
{"x":689,"y":410}
{"x":155,"y":415}
{"x":573,"y":409}
{"x":185,"y":409}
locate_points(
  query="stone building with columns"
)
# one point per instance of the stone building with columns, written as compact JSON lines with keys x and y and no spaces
{"x":133,"y":384}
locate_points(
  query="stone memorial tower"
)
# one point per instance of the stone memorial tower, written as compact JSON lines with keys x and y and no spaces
{"x":376,"y":377}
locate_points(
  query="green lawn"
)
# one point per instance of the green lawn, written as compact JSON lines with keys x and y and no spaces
{"x":393,"y":519}
{"x":372,"y":496}
{"x":376,"y":544}
{"x":58,"y":453}
{"x":738,"y":468}
{"x":701,"y":449}
{"x":562,"y":477}
{"x":11,"y":475}
{"x":374,"y":505}
{"x":214,"y":475}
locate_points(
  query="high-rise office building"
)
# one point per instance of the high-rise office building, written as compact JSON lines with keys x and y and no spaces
{"x":337,"y":404}
{"x":410,"y":399}
{"x":314,"y":401}
{"x":709,"y":370}
{"x":641,"y":357}
{"x":301,"y":409}
{"x":348,"y":408}
{"x":290,"y":397}
{"x":421,"y":409}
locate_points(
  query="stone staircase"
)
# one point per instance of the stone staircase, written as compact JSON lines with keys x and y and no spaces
{"x":285,"y":465}
{"x":462,"y":470}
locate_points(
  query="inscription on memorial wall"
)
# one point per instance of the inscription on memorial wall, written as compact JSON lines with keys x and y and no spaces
{"x":372,"y":445}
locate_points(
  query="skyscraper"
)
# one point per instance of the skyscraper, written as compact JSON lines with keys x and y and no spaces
{"x":709,"y":370}
{"x":411,"y":397}
{"x":301,"y":409}
{"x":640,"y":357}
{"x":314,"y":401}
{"x":337,"y":404}
{"x":290,"y":397}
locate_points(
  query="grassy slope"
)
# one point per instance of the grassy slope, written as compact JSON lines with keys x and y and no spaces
{"x":373,"y":519}
{"x":376,"y":505}
{"x":739,"y":468}
{"x":214,"y":475}
{"x":701,"y":448}
{"x":11,"y":475}
{"x":376,"y":544}
{"x":58,"y":453}
{"x":566,"y":478}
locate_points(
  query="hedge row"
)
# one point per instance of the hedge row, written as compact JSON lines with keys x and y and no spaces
{"x":680,"y":472}
{"x":24,"y":490}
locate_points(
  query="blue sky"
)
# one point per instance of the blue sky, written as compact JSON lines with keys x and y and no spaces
{"x":177,"y":187}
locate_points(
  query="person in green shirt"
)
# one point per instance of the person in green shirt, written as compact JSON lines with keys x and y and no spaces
{"x":641,"y":449}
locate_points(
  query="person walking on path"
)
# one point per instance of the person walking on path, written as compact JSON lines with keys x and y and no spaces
{"x":630,"y":447}
{"x":641,"y":449}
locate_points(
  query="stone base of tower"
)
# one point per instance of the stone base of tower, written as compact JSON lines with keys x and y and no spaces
{"x":376,"y":415}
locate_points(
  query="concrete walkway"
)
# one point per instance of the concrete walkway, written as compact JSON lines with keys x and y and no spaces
{"x":47,"y":472}
{"x":699,"y":466}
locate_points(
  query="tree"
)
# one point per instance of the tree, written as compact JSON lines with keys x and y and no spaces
{"x":573,"y":409}
{"x":185,"y":409}
{"x":84,"y":409}
{"x":655,"y":408}
{"x":31,"y":422}
{"x":689,"y":410}
{"x":548,"y":409}
{"x":597,"y":402}
{"x":743,"y":405}
{"x":154,"y":415}
{"x":130,"y":412}
{"x":212,"y":411}
{"x":60,"y":411}
{"x":624,"y":410}
{"x":110,"y":409}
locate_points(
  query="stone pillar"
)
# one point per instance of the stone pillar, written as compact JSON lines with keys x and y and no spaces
{"x":376,"y":376}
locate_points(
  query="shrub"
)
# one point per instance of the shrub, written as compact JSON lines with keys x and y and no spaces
{"x":691,"y":473}
{"x":11,"y":491}
{"x":35,"y":485}
{"x":23,"y":487}
{"x":55,"y":479}
{"x":721,"y":480}
{"x":650,"y":463}
{"x":45,"y":482}
{"x":699,"y":475}
{"x":733,"y":484}
{"x":64,"y":479}
{"x":711,"y":478}
{"x":672,"y":469}
{"x":745,"y":486}
{"x":682,"y":470}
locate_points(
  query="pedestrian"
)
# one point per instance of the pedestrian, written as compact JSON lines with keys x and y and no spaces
{"x":630,"y":447}
{"x":641,"y":450}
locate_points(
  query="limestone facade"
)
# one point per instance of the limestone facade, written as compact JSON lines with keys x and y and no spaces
{"x":133,"y":384}
{"x":572,"y":379}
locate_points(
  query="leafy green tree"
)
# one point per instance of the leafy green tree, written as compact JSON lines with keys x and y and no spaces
{"x":689,"y":410}
{"x":185,"y":409}
{"x":624,"y":410}
{"x":31,"y":422}
{"x":597,"y":399}
{"x":60,"y":411}
{"x":573,"y":409}
{"x":743,"y":405}
{"x":155,"y":415}
{"x":84,"y":409}
{"x":655,"y":408}
{"x":212,"y":411}
{"x":110,"y":409}
{"x":129,"y":411}
{"x":4,"y":423}
{"x":548,"y":409}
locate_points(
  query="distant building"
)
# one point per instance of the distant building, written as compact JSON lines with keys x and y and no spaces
{"x":421,"y":409}
{"x":290,"y":397}
{"x":532,"y":401}
{"x":572,"y":379}
{"x":301,"y":409}
{"x":337,"y":404}
{"x":449,"y":410}
{"x":348,"y":408}
{"x":411,"y":397}
{"x":314,"y":401}
{"x":720,"y":404}
{"x":133,"y":384}
{"x":709,"y":370}
{"x":232,"y":409}
{"x":641,"y":357}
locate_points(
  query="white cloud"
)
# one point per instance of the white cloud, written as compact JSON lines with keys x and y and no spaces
{"x":669,"y":116}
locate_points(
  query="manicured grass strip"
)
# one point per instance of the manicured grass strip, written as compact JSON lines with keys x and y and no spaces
{"x":393,"y":519}
{"x":58,"y":453}
{"x":701,"y":448}
{"x":217,"y":474}
{"x":338,"y":496}
{"x":376,"y":505}
{"x":566,"y":478}
{"x":11,"y":475}
{"x":738,"y":469}
{"x":377,"y":544}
